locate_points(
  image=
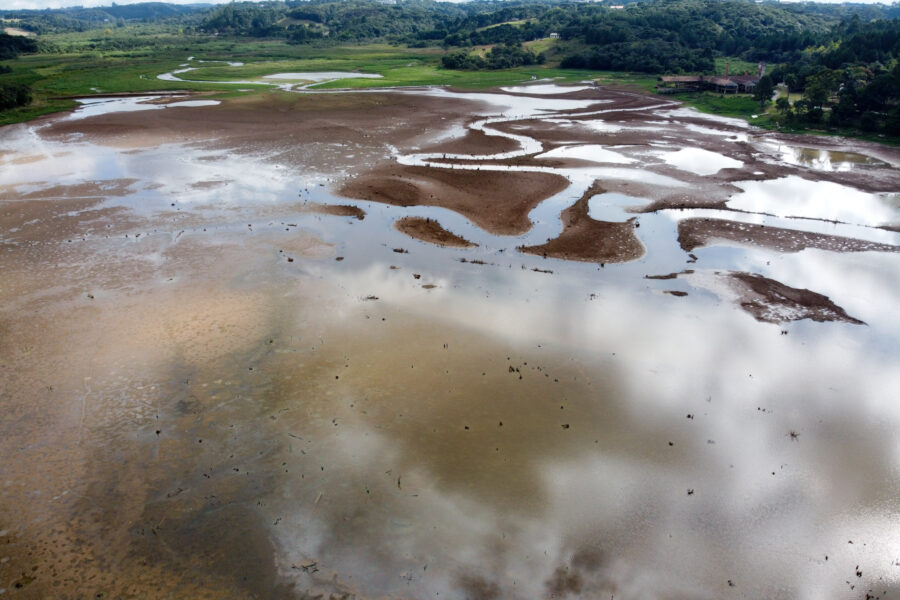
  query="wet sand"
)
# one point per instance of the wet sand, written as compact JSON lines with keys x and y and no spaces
{"x":200,"y":401}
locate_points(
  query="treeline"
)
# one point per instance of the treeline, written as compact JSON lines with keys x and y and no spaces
{"x":246,"y":18}
{"x":12,"y":46}
{"x":502,"y":56}
{"x":698,"y":28}
{"x":646,"y":56}
{"x":63,"y":20}
{"x":671,"y":36}
{"x":13,"y":95}
{"x":339,"y":20}
{"x":656,"y":36}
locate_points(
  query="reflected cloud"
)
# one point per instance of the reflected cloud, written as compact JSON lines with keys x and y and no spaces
{"x":795,"y":197}
{"x":526,"y":427}
{"x":701,"y":162}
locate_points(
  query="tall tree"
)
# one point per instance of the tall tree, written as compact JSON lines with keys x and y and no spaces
{"x":762,"y":92}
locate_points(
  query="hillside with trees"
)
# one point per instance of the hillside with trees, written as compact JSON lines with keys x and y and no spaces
{"x":852,"y":79}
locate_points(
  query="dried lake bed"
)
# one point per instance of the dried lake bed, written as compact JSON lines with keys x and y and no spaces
{"x":244,"y":353}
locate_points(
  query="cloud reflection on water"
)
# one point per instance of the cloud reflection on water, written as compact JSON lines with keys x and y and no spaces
{"x":660,"y":395}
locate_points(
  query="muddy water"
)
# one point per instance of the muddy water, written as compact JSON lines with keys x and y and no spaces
{"x":210,"y":391}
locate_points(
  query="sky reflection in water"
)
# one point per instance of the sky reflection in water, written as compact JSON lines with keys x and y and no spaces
{"x":671,"y":470}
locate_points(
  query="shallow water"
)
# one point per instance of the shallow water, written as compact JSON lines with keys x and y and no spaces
{"x":312,"y":78}
{"x":194,"y":103}
{"x":91,"y":107}
{"x":700,"y":161}
{"x":214,"y":420}
{"x":821,"y":200}
{"x":828,"y":160}
{"x":545,"y":89}
{"x":588,"y":152}
{"x":322,"y":76}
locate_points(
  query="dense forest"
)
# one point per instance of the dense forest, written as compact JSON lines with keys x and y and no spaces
{"x":500,"y":56}
{"x":13,"y":45}
{"x":14,"y":94}
{"x":842,"y":58}
{"x":684,"y":35}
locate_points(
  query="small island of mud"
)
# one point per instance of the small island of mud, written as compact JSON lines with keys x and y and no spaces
{"x":429,"y":230}
{"x":695,"y":233}
{"x":337,"y":210}
{"x":771,"y":301}
{"x":588,"y":240}
{"x":498,"y":202}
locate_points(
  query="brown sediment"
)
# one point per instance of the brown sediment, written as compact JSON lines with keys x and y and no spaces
{"x":670,"y":275}
{"x":429,"y":230}
{"x":770,"y":301}
{"x":498,"y":202}
{"x":716,"y":198}
{"x":39,"y":221}
{"x":529,"y":160}
{"x":588,"y":240}
{"x":475,"y":142}
{"x":695,"y":233}
{"x":676,"y":293}
{"x":338,"y":210}
{"x":321,"y":131}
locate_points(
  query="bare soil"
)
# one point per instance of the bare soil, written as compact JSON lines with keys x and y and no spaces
{"x":429,"y":230}
{"x":695,"y":233}
{"x":337,"y":210}
{"x":495,"y":201}
{"x":770,"y":301}
{"x":588,"y":240}
{"x":475,"y":143}
{"x":322,"y":131}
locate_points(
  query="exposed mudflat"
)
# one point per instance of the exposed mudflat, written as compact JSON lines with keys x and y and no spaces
{"x":590,"y":240}
{"x":773,"y":302}
{"x":695,"y":233}
{"x":219,"y":381}
{"x":498,"y":202}
{"x":337,"y":210}
{"x":428,"y":230}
